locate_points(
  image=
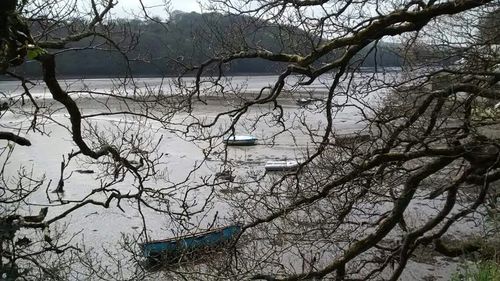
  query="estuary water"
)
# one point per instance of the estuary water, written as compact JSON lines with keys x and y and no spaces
{"x":102,"y":228}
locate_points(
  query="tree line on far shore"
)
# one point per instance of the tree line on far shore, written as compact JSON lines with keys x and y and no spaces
{"x":153,"y":47}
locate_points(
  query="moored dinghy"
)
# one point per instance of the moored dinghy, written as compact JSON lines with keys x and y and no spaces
{"x":240,"y":140}
{"x":352,"y":139}
{"x":173,"y":249}
{"x":281,"y":165}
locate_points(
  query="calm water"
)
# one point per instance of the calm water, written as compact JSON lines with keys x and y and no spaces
{"x":167,"y":85}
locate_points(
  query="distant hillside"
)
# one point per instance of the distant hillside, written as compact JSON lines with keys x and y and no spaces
{"x":191,"y":38}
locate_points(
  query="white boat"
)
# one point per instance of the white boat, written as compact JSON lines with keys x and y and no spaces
{"x":281,"y":165}
{"x":240,"y":140}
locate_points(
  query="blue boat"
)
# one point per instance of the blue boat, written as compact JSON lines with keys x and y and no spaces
{"x":175,"y":248}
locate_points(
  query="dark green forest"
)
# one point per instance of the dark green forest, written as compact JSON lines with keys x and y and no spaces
{"x":155,"y":48}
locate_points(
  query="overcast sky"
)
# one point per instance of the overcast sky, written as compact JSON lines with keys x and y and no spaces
{"x":155,"y":7}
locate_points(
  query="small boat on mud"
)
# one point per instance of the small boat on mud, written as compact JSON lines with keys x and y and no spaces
{"x":352,"y":139}
{"x":174,"y":249}
{"x":281,"y":165}
{"x":240,"y":140}
{"x":226,"y":175}
{"x":306,"y":101}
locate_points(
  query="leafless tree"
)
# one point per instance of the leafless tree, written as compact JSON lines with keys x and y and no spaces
{"x":422,"y":160}
{"x":416,"y":159}
{"x":35,"y":241}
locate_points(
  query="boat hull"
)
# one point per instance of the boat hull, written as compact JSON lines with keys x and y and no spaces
{"x":281,"y":165}
{"x":240,"y":140}
{"x":172,"y":250}
{"x":240,"y":143}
